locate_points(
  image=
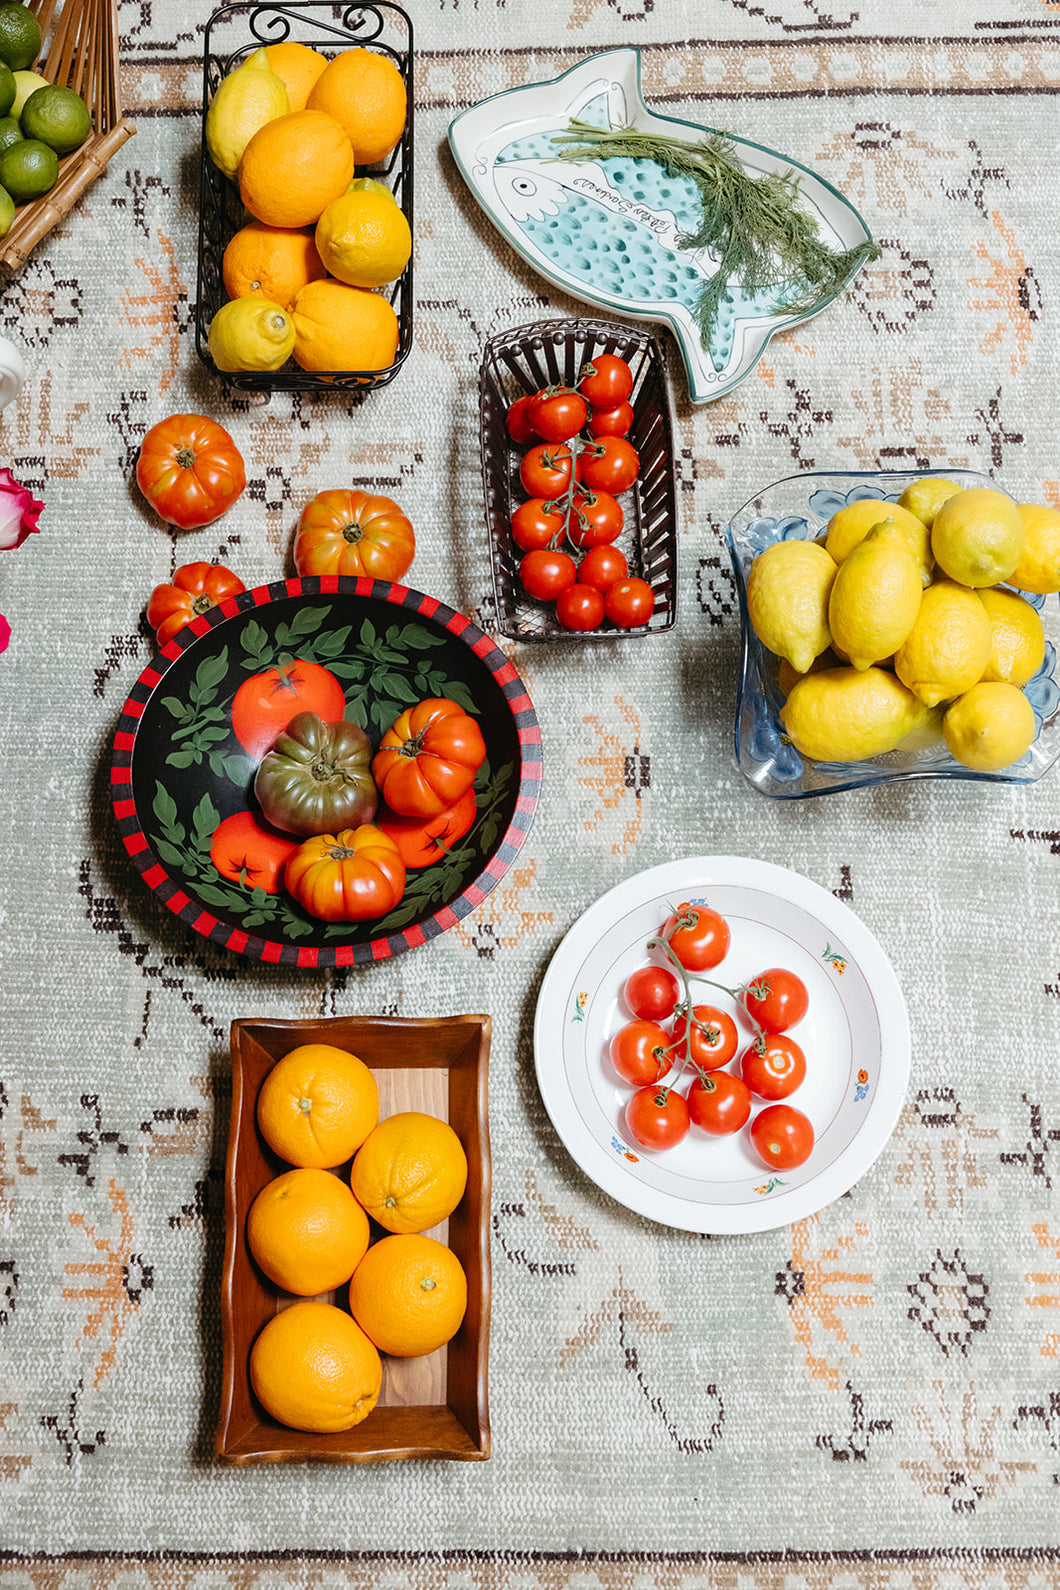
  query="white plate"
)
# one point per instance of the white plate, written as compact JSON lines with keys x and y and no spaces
{"x":855,"y":1036}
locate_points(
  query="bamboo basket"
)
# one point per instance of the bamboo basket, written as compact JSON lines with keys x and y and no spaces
{"x":79,"y":48}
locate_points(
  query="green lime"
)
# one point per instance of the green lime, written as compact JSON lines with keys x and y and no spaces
{"x":26,"y":83}
{"x":19,"y":35}
{"x":28,"y":169}
{"x":7,"y":89}
{"x":7,"y":212}
{"x":57,"y":117}
{"x":10,"y":132}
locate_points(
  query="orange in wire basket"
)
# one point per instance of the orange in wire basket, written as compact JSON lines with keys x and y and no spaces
{"x":343,"y":328}
{"x":297,"y":67}
{"x":313,"y":1368}
{"x":317,"y":1105}
{"x":271,"y":262}
{"x":409,"y":1295}
{"x":410,"y":1172}
{"x":366,"y":93}
{"x":293,"y":167}
{"x":307,"y":1231}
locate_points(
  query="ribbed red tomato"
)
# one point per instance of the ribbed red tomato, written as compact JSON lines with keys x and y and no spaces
{"x":190,"y":470}
{"x":428,"y":758}
{"x":194,"y":589}
{"x":351,"y":876}
{"x":356,"y":534}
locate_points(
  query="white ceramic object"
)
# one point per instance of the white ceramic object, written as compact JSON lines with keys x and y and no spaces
{"x":609,"y":232}
{"x":12,"y":372}
{"x":855,"y":1036}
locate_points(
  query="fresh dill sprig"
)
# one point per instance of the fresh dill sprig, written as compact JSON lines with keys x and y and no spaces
{"x":763,"y":237}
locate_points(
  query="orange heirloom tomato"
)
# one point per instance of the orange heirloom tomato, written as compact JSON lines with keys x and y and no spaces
{"x":354,"y":533}
{"x":428,"y":758}
{"x":351,"y":876}
{"x":265,"y":703}
{"x":190,"y":470}
{"x":245,"y":851}
{"x":196,"y":587}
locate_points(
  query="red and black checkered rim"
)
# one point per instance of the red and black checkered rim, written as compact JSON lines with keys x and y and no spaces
{"x":203,"y":921}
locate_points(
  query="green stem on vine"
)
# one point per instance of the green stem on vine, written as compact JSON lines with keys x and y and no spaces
{"x":684,"y":1005}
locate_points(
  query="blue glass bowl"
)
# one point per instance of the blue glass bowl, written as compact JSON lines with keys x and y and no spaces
{"x":799,"y":508}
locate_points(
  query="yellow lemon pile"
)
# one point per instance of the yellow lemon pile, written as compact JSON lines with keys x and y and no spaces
{"x":291,"y":128}
{"x":905,"y":621}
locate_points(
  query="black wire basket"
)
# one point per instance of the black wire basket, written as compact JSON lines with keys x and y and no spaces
{"x":232,"y":33}
{"x":526,"y":359}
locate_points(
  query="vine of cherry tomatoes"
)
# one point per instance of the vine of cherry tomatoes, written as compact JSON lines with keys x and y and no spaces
{"x":671,"y":1034}
{"x":579,"y":461}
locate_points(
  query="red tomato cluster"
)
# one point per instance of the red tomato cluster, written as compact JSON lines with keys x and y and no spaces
{"x":578,"y":462}
{"x":670,"y":1035}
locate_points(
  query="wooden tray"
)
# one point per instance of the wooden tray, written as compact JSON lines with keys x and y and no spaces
{"x":431,"y":1407}
{"x":79,"y":49}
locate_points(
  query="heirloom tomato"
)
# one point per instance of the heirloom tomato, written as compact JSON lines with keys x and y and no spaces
{"x":773,"y":1066}
{"x":557,"y":413}
{"x":596,"y":519}
{"x":629,"y":602}
{"x":713,"y":1041}
{"x":194,"y":589}
{"x":611,"y":422}
{"x":719,"y":1104}
{"x":536,"y":524}
{"x":545,"y":572}
{"x":351,"y":876}
{"x":601,"y":566}
{"x":354,"y":533}
{"x":698,"y":936}
{"x":609,"y":463}
{"x":580,"y":607}
{"x":639,"y":1052}
{"x":190,"y":470}
{"x":547,"y":470}
{"x":245,"y":851}
{"x":318,"y":777}
{"x":428,"y":758}
{"x":657,"y":1117}
{"x":651,"y":992}
{"x":423,"y":840}
{"x":606,"y":381}
{"x":782,"y":1136}
{"x":265,"y":703}
{"x":776,"y":999}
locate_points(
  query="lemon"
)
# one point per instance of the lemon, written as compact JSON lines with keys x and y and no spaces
{"x":1017,"y":648}
{"x":19,"y":35}
{"x":787,"y":600}
{"x":251,"y":334}
{"x":1038,"y":569}
{"x":848,"y":528}
{"x":948,"y":647}
{"x":369,"y":185}
{"x":28,"y":169}
{"x":924,"y":497}
{"x":246,"y":99}
{"x":363,"y":238}
{"x":977,"y":537}
{"x":989,"y":727}
{"x":26,"y":83}
{"x":58,"y":117}
{"x":875,"y":596}
{"x":847,"y":714}
{"x":788,"y":677}
{"x":7,"y":212}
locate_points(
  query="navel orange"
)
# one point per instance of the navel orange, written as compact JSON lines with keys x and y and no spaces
{"x":343,"y":328}
{"x":307,"y":1231}
{"x":317,"y":1105}
{"x":294,"y":166}
{"x":409,"y":1295}
{"x":366,"y":93}
{"x":297,"y":67}
{"x":270,"y":262}
{"x":410,"y":1172}
{"x":313,"y":1368}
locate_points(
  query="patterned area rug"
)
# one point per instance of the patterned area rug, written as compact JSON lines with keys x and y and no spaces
{"x":868,"y":1398}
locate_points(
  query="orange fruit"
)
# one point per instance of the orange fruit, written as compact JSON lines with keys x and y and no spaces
{"x":313,"y":1368}
{"x":270,"y":262}
{"x":317,"y":1105}
{"x":343,"y":328}
{"x":410,"y":1172}
{"x":297,"y":67}
{"x":293,"y":167}
{"x":366,"y":93}
{"x":307,"y":1231}
{"x":409,"y":1295}
{"x":363,"y":238}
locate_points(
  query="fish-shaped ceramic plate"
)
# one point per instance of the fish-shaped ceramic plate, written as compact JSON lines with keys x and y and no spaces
{"x":608,"y":232}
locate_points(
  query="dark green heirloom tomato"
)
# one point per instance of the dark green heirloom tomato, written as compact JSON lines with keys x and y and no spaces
{"x":318,"y":777}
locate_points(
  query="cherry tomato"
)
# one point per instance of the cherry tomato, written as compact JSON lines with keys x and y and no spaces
{"x":651,"y":992}
{"x":533,"y":525}
{"x":611,"y":422}
{"x":606,"y":381}
{"x":782,"y":1136}
{"x":639,"y":1052}
{"x":596,"y":519}
{"x":602,"y":566}
{"x":545,"y":573}
{"x":774,"y":1066}
{"x":719,"y":1104}
{"x":714,"y":1039}
{"x":558,"y":413}
{"x":609,"y":464}
{"x":698,"y":936}
{"x":629,"y":603}
{"x":657,"y":1117}
{"x":517,"y":419}
{"x":547,"y":469}
{"x":580,"y":607}
{"x":776,"y":999}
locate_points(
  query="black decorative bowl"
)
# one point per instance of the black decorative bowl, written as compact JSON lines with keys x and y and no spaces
{"x":179,"y":771}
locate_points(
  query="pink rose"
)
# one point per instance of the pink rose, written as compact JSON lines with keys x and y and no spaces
{"x":5,"y":632}
{"x":19,"y":512}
